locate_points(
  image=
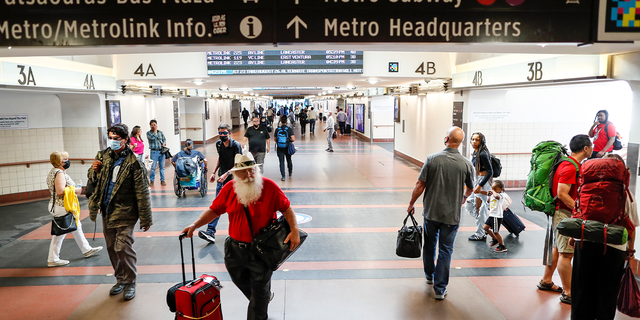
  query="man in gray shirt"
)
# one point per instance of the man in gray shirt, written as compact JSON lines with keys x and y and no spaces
{"x":442,"y":180}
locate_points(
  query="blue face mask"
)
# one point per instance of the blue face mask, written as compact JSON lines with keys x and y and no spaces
{"x":114,"y":145}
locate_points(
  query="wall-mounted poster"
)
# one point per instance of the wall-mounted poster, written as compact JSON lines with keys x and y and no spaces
{"x":207,"y":115}
{"x":359,"y":117}
{"x":113,"y":112}
{"x":350,"y":114}
{"x":396,"y":109}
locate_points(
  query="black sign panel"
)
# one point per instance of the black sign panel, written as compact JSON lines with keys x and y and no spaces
{"x":284,"y":62}
{"x":131,"y":22}
{"x":457,"y":113}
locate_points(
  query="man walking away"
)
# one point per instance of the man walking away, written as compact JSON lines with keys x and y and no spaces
{"x":442,"y":179}
{"x":342,"y":120}
{"x":227,"y":149}
{"x":157,"y":141}
{"x":312,"y":121}
{"x":122,"y":197}
{"x":329,"y":128}
{"x":282,"y":136}
{"x":603,"y":133}
{"x":252,"y":195}
{"x":565,"y":189}
{"x":257,"y":136}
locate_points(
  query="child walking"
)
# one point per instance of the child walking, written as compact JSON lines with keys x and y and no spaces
{"x":492,"y":225}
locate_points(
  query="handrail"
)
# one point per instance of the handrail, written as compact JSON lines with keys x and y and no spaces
{"x":509,"y":153}
{"x":29,"y":163}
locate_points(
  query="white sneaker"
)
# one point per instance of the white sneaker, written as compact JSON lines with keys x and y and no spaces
{"x":58,"y":263}
{"x":92,"y":251}
{"x":441,"y":296}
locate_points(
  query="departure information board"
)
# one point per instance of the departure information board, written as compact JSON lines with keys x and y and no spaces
{"x":284,"y":62}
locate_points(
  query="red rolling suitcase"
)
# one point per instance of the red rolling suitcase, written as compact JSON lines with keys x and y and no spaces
{"x":196,"y":299}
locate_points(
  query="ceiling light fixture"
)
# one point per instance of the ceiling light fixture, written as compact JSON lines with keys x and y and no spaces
{"x":351,"y":87}
{"x":373,"y":81}
{"x":198,"y":82}
{"x":330,"y":91}
{"x":245,"y":92}
{"x":223,"y":88}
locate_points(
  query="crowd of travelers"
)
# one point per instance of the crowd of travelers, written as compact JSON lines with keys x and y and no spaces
{"x":120,"y":185}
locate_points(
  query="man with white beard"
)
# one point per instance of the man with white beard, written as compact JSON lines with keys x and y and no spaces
{"x":262,"y":198}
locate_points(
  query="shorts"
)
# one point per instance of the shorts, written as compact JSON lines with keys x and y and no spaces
{"x":561,"y":242}
{"x":494,"y":223}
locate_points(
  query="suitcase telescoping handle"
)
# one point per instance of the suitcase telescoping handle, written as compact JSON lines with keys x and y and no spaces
{"x":193,"y":259}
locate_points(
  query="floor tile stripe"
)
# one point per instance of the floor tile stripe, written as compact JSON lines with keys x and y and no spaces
{"x":219,"y":267}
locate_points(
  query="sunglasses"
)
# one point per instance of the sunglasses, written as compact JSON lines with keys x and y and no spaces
{"x":223,"y":133}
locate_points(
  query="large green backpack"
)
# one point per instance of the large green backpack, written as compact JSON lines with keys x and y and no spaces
{"x":546,"y":157}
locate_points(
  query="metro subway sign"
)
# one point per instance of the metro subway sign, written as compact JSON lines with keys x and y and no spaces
{"x":145,"y":22}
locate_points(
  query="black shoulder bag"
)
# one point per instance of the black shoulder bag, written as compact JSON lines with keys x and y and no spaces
{"x":61,"y":225}
{"x":269,"y":244}
{"x":409,"y":242}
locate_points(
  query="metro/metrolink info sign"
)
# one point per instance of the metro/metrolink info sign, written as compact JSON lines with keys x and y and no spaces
{"x":143,"y":22}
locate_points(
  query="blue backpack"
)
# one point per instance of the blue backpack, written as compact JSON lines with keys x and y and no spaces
{"x":282,"y":137}
{"x":185,"y":167}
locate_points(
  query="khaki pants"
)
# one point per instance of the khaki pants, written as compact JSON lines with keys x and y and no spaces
{"x":120,"y":248}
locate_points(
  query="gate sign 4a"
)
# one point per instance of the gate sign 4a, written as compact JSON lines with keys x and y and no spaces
{"x":149,"y":22}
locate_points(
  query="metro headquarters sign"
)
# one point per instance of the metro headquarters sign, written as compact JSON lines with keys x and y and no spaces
{"x":144,"y":22}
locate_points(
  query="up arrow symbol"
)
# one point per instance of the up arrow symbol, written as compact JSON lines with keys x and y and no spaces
{"x":297,"y":21}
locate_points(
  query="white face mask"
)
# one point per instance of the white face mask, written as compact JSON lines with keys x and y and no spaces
{"x":114,"y":145}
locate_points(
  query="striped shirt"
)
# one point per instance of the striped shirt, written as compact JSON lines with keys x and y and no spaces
{"x":156,"y":140}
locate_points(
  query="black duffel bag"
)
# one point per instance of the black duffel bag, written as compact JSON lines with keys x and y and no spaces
{"x":269,"y":244}
{"x":409,"y":243}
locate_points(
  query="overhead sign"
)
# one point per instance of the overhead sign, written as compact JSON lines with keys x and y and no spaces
{"x":25,"y":75}
{"x":284,"y":62}
{"x":618,"y":20}
{"x":557,"y":68}
{"x":131,"y":22}
{"x":434,"y":65}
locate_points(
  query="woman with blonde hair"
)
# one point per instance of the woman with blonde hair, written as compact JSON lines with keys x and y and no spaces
{"x":58,"y":180}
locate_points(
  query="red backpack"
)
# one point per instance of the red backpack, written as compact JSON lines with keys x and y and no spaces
{"x":602,"y":193}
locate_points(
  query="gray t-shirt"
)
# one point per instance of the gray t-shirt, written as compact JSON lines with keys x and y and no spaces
{"x":445,"y":174}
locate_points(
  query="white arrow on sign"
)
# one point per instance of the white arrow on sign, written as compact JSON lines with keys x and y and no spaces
{"x":297,"y":21}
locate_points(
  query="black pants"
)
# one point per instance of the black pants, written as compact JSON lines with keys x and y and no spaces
{"x":595,"y":281}
{"x":303,"y":126}
{"x":282,"y":154}
{"x":250,"y":275}
{"x":342,"y":125}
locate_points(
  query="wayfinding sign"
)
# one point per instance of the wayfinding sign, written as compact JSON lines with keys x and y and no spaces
{"x":130,"y":22}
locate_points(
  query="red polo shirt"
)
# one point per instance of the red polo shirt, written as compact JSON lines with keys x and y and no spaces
{"x":567,"y":174}
{"x":262,"y":211}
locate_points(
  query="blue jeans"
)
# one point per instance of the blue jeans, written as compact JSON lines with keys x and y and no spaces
{"x":213,"y":224}
{"x":342,"y":125}
{"x":312,"y":125}
{"x":447,"y":235}
{"x":158,"y":158}
{"x":281,"y":157}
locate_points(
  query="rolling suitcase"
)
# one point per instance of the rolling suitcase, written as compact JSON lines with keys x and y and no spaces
{"x":512,"y":223}
{"x":347,"y":129}
{"x":198,"y":298}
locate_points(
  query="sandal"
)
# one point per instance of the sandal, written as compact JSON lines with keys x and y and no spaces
{"x":565,"y":298}
{"x":549,"y":287}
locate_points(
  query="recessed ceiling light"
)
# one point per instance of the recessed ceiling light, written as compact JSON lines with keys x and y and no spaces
{"x":373,"y":81}
{"x":245,"y":92}
{"x":330,"y":91}
{"x":9,"y":48}
{"x":198,"y":82}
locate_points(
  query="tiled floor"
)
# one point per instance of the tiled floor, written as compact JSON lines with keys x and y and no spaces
{"x":347,"y":269}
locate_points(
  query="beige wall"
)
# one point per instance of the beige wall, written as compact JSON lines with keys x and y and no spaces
{"x":427,"y":119}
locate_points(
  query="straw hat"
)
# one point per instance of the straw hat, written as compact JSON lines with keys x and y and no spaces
{"x":243,"y":162}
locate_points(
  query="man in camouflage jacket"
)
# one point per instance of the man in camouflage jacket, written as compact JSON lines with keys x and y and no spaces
{"x":122,"y":196}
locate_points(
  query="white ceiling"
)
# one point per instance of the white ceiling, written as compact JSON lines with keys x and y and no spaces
{"x":465,"y":52}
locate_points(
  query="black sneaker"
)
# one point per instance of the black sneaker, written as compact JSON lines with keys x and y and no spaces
{"x":474,"y":237}
{"x":501,"y":248}
{"x":283,"y":178}
{"x":207,"y":236}
{"x":290,"y":174}
{"x":494,"y":242}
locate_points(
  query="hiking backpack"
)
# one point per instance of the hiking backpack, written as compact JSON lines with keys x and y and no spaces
{"x":602,"y":194}
{"x":545,"y":159}
{"x":282,"y":137}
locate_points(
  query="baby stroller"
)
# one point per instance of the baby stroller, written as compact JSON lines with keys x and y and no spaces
{"x":190,"y":175}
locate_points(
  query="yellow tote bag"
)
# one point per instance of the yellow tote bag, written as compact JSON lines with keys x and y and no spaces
{"x":71,"y":203}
